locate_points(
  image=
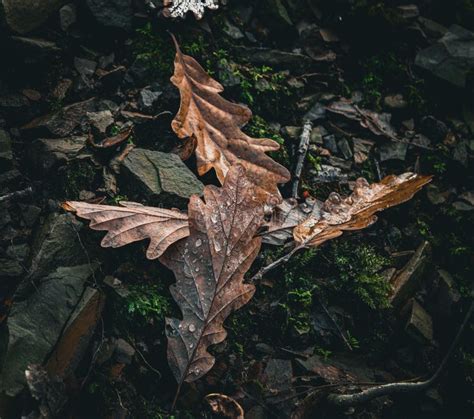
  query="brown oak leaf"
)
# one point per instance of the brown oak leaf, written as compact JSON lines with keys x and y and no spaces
{"x":132,"y":222}
{"x":216,"y":124}
{"x":358,"y":210}
{"x":209,"y":266}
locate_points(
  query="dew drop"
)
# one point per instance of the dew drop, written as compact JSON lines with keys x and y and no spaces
{"x":335,"y":198}
{"x":198,"y":243}
{"x":214,"y":218}
{"x":362,"y":182}
{"x":217,"y":246}
{"x":192,"y":328}
{"x":196,"y":269}
{"x":191,"y":345}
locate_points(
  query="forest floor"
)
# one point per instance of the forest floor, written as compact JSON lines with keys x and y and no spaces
{"x":89,"y":322}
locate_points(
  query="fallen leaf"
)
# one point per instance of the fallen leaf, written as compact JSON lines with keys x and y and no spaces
{"x":378,"y":123}
{"x":132,"y":222}
{"x":209,"y":267}
{"x":358,"y":210}
{"x":285,"y":217}
{"x":224,"y":406}
{"x":215,"y":123}
{"x":112,"y":141}
{"x":179,"y":8}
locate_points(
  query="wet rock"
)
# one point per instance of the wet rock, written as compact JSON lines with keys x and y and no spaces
{"x":112,"y":13}
{"x":451,"y":58}
{"x":419,"y":325}
{"x":447,"y":295}
{"x":77,"y":334}
{"x":278,"y":10}
{"x":36,"y":320}
{"x":340,"y":163}
{"x":6,"y":154}
{"x":434,"y":129}
{"x":316,"y":113}
{"x":84,"y":66}
{"x":406,"y":282}
{"x":12,"y":108}
{"x":362,"y":150}
{"x":393,"y":151}
{"x":101,"y":120}
{"x":67,"y":16}
{"x":228,"y":75}
{"x":35,"y":47}
{"x":48,"y":154}
{"x":431,"y":28}
{"x":56,"y":243}
{"x":345,"y":148}
{"x":329,"y":174}
{"x":329,"y":142}
{"x":232,"y":31}
{"x":278,"y":377}
{"x":291,"y":132}
{"x":148,"y":98}
{"x":394,"y":102}
{"x":408,"y":11}
{"x":154,"y":174}
{"x":435,"y":196}
{"x":23,"y":16}
{"x":461,"y":154}
{"x":124,"y":352}
{"x":62,"y":122}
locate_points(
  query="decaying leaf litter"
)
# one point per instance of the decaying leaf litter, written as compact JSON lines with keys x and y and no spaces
{"x":310,"y":302}
{"x":222,"y":241}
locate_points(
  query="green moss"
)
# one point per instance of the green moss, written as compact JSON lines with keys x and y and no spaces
{"x":78,"y":176}
{"x":358,"y":273}
{"x":146,"y":303}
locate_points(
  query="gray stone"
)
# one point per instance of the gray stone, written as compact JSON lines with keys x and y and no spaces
{"x":56,"y":243}
{"x":30,"y":214}
{"x":447,"y":295}
{"x":362,"y":150}
{"x":101,"y":120}
{"x":329,"y":142}
{"x":460,"y":153}
{"x":406,"y":282}
{"x":48,"y":154}
{"x":6,"y":154}
{"x":62,"y":122}
{"x":434,"y":129}
{"x":292,"y":132}
{"x":67,"y":16}
{"x":148,"y":98}
{"x":84,"y":66}
{"x":124,"y":352}
{"x":112,"y":13}
{"x":154,"y":173}
{"x":345,"y":148}
{"x":408,"y":11}
{"x":451,"y":58}
{"x":340,"y":163}
{"x":393,"y":151}
{"x":395,"y":102}
{"x":36,"y":320}
{"x":329,"y":174}
{"x":35,"y":46}
{"x":23,"y":16}
{"x":432,"y":28}
{"x":316,"y":113}
{"x":435,"y":196}
{"x":419,"y":325}
{"x":232,"y":31}
{"x":278,"y":10}
{"x":228,"y":74}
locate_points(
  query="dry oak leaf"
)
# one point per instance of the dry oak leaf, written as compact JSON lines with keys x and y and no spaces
{"x":224,"y":406}
{"x":358,"y":210}
{"x":209,"y":267}
{"x":216,"y":124}
{"x":132,"y":222}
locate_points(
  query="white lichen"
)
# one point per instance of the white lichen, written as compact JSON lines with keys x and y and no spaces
{"x":179,"y":8}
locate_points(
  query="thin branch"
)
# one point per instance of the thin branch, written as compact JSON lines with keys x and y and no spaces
{"x":349,"y":346}
{"x":302,"y":151}
{"x":344,"y":400}
{"x":16,"y":195}
{"x":285,"y":258}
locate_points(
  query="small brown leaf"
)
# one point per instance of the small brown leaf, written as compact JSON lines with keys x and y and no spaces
{"x":358,"y":210}
{"x":215,"y":123}
{"x":224,"y":406}
{"x":112,"y":141}
{"x":132,"y":222}
{"x":209,"y":267}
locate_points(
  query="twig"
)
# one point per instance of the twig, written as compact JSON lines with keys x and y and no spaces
{"x":349,"y":346}
{"x":302,"y":151}
{"x":344,"y":400}
{"x":16,"y":195}
{"x":276,"y":263}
